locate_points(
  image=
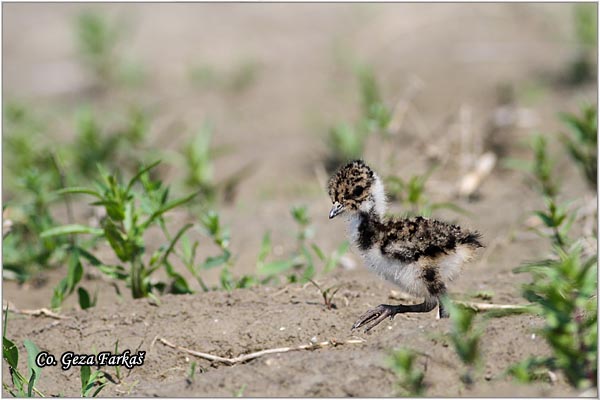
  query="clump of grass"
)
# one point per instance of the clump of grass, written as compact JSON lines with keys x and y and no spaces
{"x":411,"y":379}
{"x":21,"y":385}
{"x":129,"y":214}
{"x":582,"y":142}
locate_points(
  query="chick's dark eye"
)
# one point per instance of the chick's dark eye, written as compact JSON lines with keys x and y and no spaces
{"x":358,"y":191}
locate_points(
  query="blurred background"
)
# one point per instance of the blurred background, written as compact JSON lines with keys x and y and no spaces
{"x":255,"y":105}
{"x":153,"y":149}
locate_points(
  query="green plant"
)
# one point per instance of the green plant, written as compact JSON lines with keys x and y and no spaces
{"x":376,"y":115}
{"x":531,"y":369}
{"x":212,"y":228}
{"x":221,"y":238}
{"x":556,"y":218}
{"x":410,"y":378}
{"x":564,"y":290}
{"x":327,"y":294}
{"x":199,"y":158}
{"x":91,"y":383}
{"x":465,"y":338}
{"x":581,"y":68}
{"x":97,"y":38}
{"x":237,"y":80}
{"x":21,"y":386}
{"x":24,"y":252}
{"x":344,"y":143}
{"x":243,"y":76}
{"x":196,"y":158}
{"x":192,"y":371}
{"x":129,"y":214}
{"x":31,"y":174}
{"x":540,"y":169}
{"x":96,"y":144}
{"x":582,"y":142}
{"x":412,"y":194}
{"x":300,"y":266}
{"x":240,"y":391}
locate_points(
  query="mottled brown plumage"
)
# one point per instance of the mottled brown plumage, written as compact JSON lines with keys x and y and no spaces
{"x":418,"y":254}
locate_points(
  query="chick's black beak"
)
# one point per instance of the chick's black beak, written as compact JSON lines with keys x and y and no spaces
{"x":336,"y":210}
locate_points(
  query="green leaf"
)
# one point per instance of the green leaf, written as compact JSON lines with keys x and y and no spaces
{"x":114,"y":271}
{"x":318,"y":252}
{"x":32,"y":353}
{"x":10,"y":352}
{"x":31,"y":384}
{"x":74,"y":272}
{"x":212,"y":262}
{"x":275,"y":267}
{"x":79,"y":190}
{"x":546,"y":219}
{"x":89,"y":256}
{"x":265,"y":247}
{"x":58,"y":295}
{"x":180,"y":285}
{"x":84,"y":298}
{"x":137,"y":176}
{"x":85,"y":375}
{"x":117,"y":240}
{"x":167,"y":207}
{"x":71,"y":229}
{"x":175,"y":239}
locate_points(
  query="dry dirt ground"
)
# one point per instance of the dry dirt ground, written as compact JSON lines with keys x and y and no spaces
{"x":453,"y":56}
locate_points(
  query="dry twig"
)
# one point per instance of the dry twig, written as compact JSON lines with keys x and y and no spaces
{"x":36,"y":313}
{"x":251,"y":356}
{"x":481,"y":307}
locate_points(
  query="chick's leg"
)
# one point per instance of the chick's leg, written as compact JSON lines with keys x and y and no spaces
{"x":375,"y":316}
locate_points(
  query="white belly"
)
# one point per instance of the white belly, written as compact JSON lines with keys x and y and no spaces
{"x":406,"y":276}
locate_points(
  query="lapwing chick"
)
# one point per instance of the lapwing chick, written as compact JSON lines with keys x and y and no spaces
{"x":420,"y":255}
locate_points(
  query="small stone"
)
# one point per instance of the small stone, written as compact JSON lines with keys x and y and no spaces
{"x":270,"y":362}
{"x":282,"y":328}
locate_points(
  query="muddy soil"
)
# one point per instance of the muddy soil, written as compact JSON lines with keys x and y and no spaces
{"x":459,"y":57}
